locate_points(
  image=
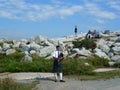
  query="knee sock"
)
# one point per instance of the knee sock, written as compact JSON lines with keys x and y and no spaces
{"x":61,"y":76}
{"x":55,"y":74}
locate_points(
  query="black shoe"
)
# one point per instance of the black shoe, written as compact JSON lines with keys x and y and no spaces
{"x":62,"y":81}
{"x":55,"y":80}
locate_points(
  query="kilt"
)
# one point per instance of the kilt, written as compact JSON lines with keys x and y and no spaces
{"x":57,"y":66}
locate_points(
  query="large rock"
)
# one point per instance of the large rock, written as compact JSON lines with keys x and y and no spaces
{"x":24,"y":47}
{"x":69,"y":45}
{"x":33,"y":52}
{"x":99,"y":53}
{"x":65,"y":53}
{"x":42,"y":41}
{"x":16,"y":44}
{"x":58,"y":42}
{"x":82,"y":52}
{"x":100,"y":42}
{"x":117,"y":44}
{"x":47,"y":50}
{"x":85,"y":52}
{"x":24,"y":40}
{"x":116,"y":50}
{"x":6,"y":46}
{"x":35,"y":46}
{"x":116,"y":58}
{"x":10,"y":51}
{"x":118,"y":39}
{"x":104,"y":48}
{"x":75,"y":50}
{"x":110,"y":54}
{"x":113,"y":39}
{"x":110,"y":43}
{"x":72,"y":55}
{"x":27,"y":58}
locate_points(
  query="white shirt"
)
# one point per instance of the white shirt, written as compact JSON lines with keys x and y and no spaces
{"x":55,"y":54}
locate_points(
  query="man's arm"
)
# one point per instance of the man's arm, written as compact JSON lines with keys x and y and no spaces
{"x":61,"y":57}
{"x":55,"y":58}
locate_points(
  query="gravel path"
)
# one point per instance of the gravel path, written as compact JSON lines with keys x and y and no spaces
{"x":47,"y":83}
{"x":72,"y":84}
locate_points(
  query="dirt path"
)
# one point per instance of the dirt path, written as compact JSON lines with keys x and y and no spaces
{"x":72,"y":84}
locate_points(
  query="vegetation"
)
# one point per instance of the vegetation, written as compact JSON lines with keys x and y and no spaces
{"x":77,"y":67}
{"x":117,"y":65}
{"x":87,"y":43}
{"x":98,"y":76}
{"x":10,"y":84}
{"x":6,"y":41}
{"x":13,"y":63}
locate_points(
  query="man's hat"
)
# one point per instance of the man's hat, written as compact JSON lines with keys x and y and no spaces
{"x":57,"y":46}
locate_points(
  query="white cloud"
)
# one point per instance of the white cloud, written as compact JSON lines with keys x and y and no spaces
{"x":100,"y":21}
{"x":95,"y":10}
{"x":115,"y":4}
{"x":70,"y":11}
{"x":57,"y":1}
{"x":19,"y":9}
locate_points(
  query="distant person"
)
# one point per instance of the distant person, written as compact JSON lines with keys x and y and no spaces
{"x":75,"y":30}
{"x":95,"y":34}
{"x":57,"y":66}
{"x":89,"y":35}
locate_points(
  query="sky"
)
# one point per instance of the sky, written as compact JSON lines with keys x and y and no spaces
{"x":56,"y":18}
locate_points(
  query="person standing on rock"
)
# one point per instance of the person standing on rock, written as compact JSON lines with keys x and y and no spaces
{"x":75,"y":30}
{"x":57,"y":66}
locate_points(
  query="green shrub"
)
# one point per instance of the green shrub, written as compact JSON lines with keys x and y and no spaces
{"x":1,"y":44}
{"x":76,"y":66}
{"x":98,"y":62}
{"x":16,"y":56}
{"x":12,"y":63}
{"x":10,"y":84}
{"x":87,"y":43}
{"x":116,"y":65}
{"x":6,"y":41}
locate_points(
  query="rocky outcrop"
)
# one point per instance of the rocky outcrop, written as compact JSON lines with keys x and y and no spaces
{"x":116,"y":58}
{"x":100,"y":53}
{"x":46,"y":51}
{"x":108,"y":46}
{"x":6,"y":46}
{"x":27,"y":58}
{"x":10,"y":51}
{"x":116,"y":50}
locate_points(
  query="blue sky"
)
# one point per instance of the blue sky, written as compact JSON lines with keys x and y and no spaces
{"x":56,"y":18}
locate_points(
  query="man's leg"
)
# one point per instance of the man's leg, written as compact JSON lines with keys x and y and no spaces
{"x":55,"y":67}
{"x":55,"y":75}
{"x":61,"y":74}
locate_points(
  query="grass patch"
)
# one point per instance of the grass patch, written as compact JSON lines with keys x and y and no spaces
{"x":98,"y":76}
{"x":77,"y":67}
{"x":10,"y":84}
{"x":6,"y":41}
{"x":13,"y":63}
{"x":87,"y":43}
